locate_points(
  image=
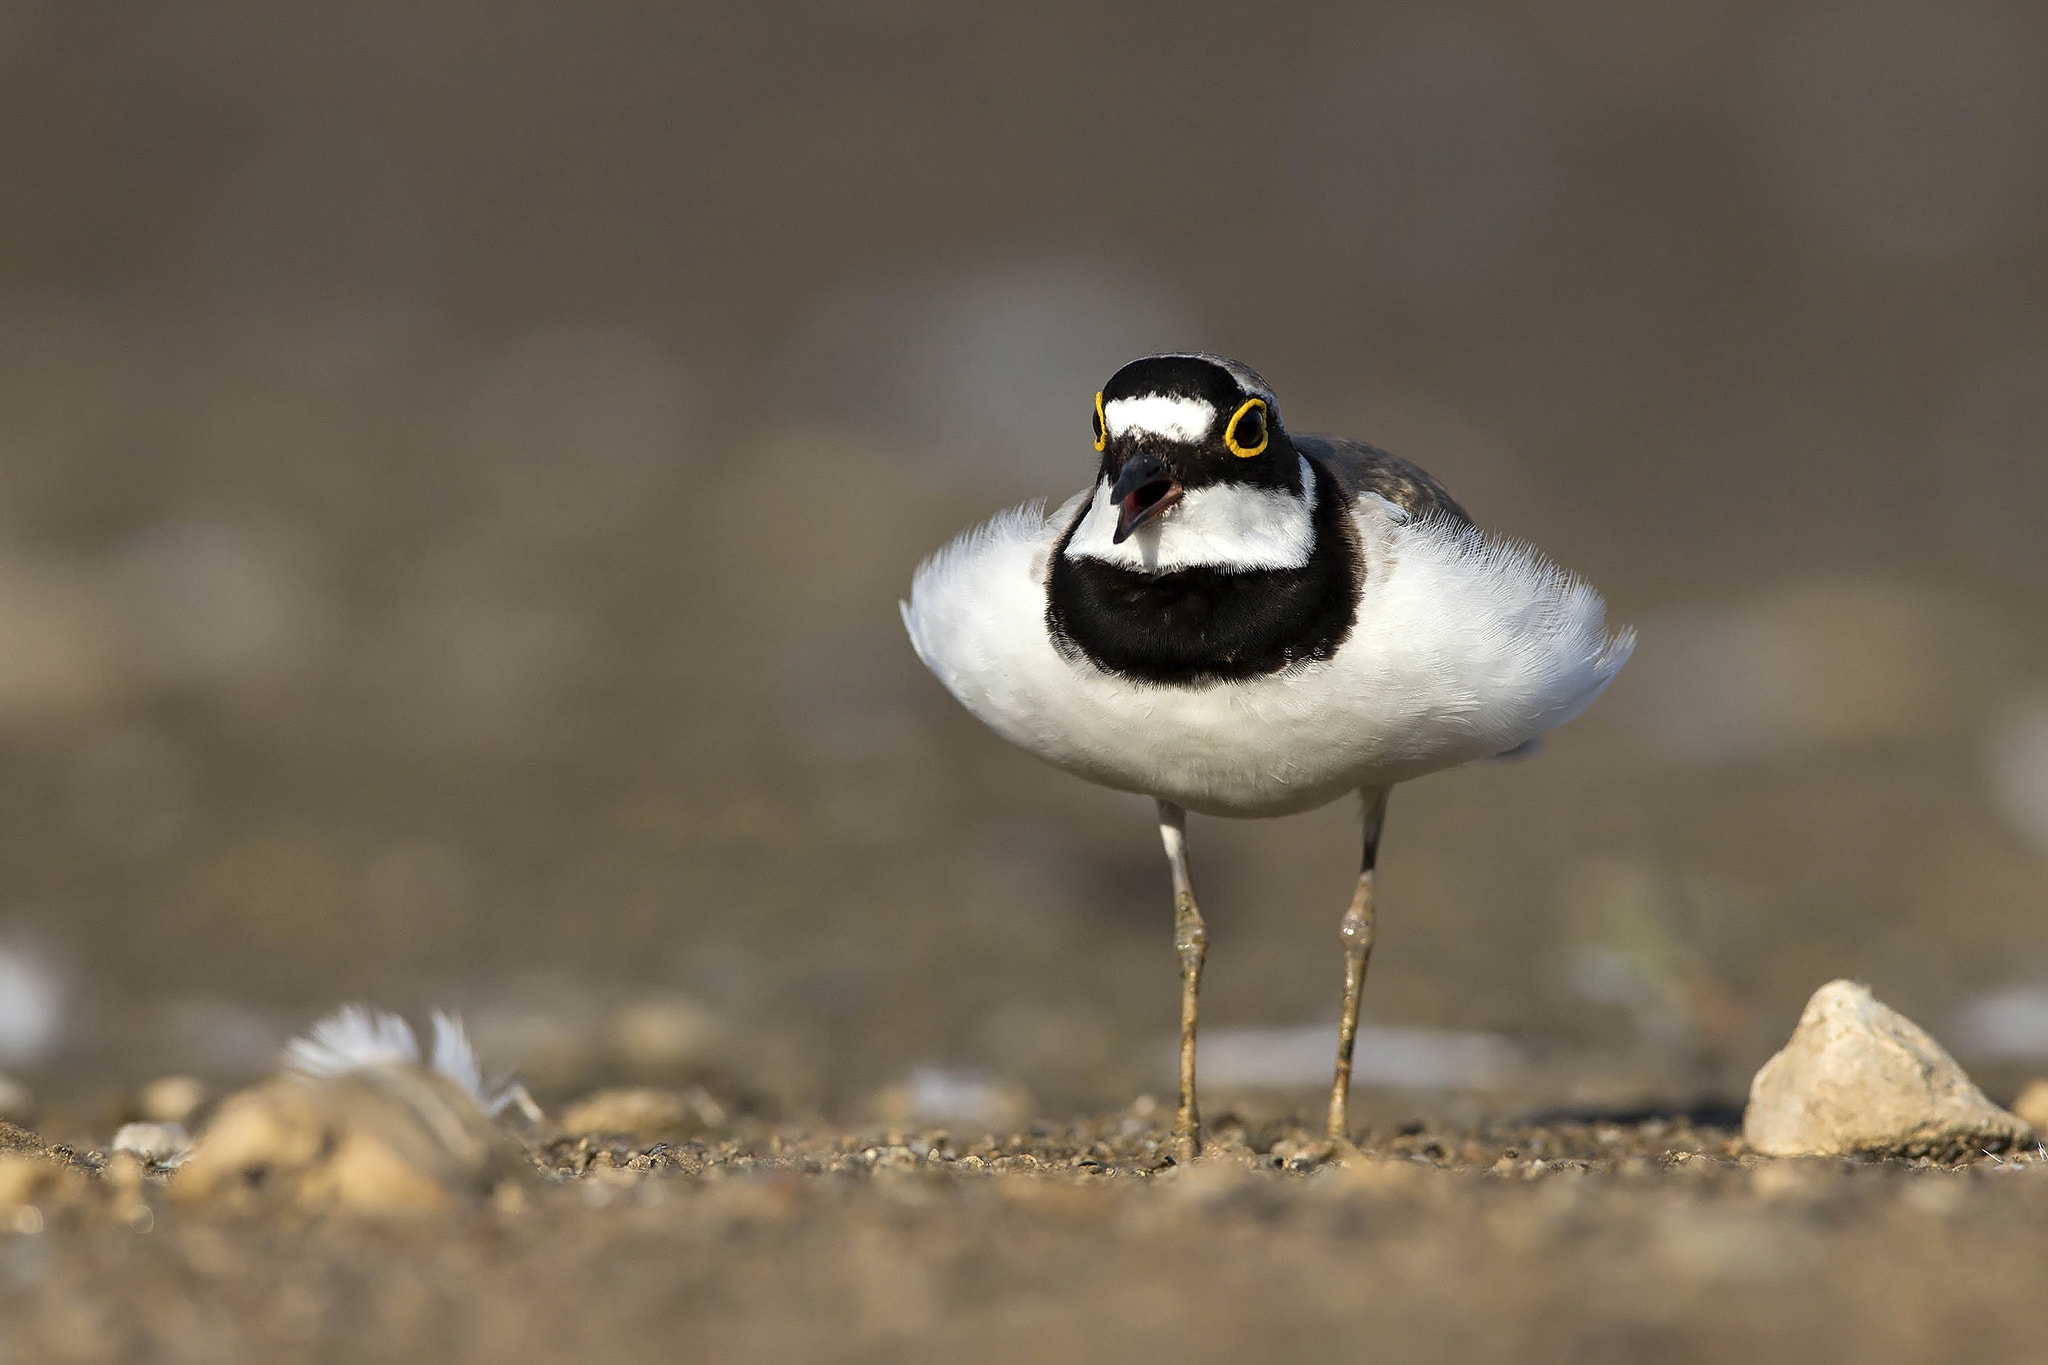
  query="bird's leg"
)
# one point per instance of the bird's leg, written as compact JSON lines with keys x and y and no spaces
{"x":1356,"y":933}
{"x":1191,"y":942}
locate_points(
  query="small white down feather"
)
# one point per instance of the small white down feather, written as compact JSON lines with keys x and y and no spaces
{"x":357,"y":1037}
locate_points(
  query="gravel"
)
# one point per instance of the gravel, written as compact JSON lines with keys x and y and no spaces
{"x":1579,"y":1237}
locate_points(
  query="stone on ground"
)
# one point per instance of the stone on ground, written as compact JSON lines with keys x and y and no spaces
{"x":389,"y":1139}
{"x":165,"y":1144}
{"x":643,"y":1110}
{"x":1858,"y":1077}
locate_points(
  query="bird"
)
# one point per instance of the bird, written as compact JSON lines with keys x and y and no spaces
{"x":1238,"y":620}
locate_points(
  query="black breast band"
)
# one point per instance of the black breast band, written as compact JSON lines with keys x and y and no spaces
{"x":1203,"y":625}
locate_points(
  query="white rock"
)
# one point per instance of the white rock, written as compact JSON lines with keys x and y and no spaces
{"x":167,"y":1144}
{"x":1859,"y":1077}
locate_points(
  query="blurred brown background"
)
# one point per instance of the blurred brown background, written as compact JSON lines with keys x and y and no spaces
{"x":458,"y":464}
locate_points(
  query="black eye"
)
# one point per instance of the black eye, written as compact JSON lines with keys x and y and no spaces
{"x":1101,"y":430}
{"x":1245,"y":436}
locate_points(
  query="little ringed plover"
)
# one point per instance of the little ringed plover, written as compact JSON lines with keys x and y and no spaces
{"x":1239,"y":620}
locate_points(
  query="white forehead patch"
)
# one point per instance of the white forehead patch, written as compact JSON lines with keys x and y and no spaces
{"x":1220,"y":526}
{"x":1177,"y":419}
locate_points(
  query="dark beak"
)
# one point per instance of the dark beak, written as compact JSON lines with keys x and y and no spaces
{"x":1143,"y":489}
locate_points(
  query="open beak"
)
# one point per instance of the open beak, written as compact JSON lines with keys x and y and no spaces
{"x":1143,"y":489}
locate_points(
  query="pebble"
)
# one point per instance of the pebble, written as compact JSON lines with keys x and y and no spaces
{"x":392,"y":1139}
{"x":164,"y":1144}
{"x":171,"y":1099}
{"x":641,"y":1110}
{"x":1857,"y":1077}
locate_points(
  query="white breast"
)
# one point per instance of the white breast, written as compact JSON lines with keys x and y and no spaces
{"x":1464,"y":647}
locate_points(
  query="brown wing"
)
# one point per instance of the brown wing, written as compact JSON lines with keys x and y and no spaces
{"x":1368,"y":469}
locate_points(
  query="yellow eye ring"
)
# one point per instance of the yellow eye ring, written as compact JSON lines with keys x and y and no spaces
{"x":1244,"y":452}
{"x":1101,"y":424}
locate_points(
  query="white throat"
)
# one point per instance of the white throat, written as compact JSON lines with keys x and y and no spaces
{"x":1222,"y":526}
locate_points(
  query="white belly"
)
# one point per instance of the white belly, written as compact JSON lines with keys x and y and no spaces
{"x":1464,"y":647}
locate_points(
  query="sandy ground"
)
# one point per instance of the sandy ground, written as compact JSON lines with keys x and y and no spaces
{"x":1581,"y":1239}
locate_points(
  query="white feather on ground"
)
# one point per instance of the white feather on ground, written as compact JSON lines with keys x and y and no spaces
{"x":350,"y":1039}
{"x":454,"y":1057}
{"x":356,"y":1037}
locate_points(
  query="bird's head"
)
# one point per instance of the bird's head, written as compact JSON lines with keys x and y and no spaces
{"x":1197,"y":472}
{"x":1169,"y":426}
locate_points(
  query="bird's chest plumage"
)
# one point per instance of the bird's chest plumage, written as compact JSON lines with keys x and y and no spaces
{"x":1207,"y":623}
{"x":1444,"y":647}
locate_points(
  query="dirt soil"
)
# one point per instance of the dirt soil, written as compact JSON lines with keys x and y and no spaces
{"x":1580,"y":1239}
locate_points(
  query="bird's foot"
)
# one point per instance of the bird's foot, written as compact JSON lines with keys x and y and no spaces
{"x":1315,"y":1153}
